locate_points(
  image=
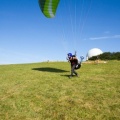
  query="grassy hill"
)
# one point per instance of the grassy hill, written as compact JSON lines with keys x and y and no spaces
{"x":43,"y":91}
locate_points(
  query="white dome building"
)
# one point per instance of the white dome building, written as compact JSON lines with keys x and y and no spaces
{"x":93,"y":52}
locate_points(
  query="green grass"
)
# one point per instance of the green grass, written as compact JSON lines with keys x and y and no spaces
{"x":43,"y":91}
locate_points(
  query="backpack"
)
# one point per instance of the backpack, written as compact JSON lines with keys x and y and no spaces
{"x":78,"y":66}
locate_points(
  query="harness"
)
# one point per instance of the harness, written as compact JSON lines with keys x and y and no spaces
{"x":75,"y":62}
{"x":78,"y":66}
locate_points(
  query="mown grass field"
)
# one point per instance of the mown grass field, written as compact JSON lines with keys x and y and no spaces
{"x":43,"y":91}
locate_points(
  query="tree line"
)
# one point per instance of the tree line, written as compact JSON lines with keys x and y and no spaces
{"x":107,"y":56}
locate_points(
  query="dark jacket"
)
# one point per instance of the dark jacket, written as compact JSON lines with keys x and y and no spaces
{"x":73,"y":60}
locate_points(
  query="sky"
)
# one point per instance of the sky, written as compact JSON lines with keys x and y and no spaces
{"x":27,"y":36}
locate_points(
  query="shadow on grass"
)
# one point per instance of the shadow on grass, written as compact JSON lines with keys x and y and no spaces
{"x":49,"y":69}
{"x":74,"y":76}
{"x":65,"y":76}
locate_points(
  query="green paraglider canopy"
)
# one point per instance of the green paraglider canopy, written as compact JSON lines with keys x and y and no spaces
{"x":48,"y":7}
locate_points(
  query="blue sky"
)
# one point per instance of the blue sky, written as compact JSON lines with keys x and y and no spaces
{"x":27,"y":36}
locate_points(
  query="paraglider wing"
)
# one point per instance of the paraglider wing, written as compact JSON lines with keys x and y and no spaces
{"x":48,"y":7}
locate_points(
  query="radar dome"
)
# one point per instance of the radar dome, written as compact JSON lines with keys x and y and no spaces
{"x":93,"y":52}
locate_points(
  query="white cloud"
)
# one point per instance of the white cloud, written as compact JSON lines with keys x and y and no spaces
{"x":105,"y":37}
{"x":117,"y":36}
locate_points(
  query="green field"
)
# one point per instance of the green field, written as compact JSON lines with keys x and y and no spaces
{"x":43,"y":91}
